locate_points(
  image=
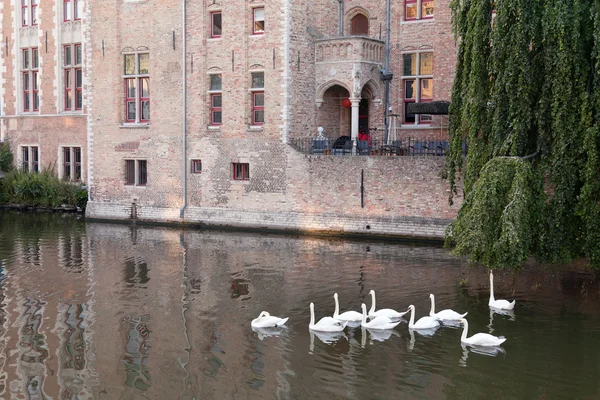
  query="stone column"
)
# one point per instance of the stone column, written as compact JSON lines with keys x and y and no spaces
{"x":354,"y":126}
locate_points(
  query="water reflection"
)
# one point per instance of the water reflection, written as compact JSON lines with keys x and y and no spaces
{"x":113,"y":311}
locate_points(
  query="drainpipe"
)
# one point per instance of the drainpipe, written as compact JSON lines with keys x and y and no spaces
{"x":341,"y":17}
{"x":386,"y":72}
{"x":184,"y":122}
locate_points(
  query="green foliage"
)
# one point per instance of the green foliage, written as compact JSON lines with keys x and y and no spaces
{"x":6,"y":157}
{"x":41,"y":189}
{"x":527,"y":84}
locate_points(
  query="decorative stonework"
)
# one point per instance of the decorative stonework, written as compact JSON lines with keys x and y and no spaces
{"x":350,"y":49}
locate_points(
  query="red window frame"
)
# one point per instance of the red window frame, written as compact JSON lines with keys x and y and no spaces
{"x":25,"y":13}
{"x":129,"y":172}
{"x":129,"y":99}
{"x":258,"y":108}
{"x":423,"y":16}
{"x":416,"y":5}
{"x":196,"y":166}
{"x":254,"y":31}
{"x":409,"y":100}
{"x":34,"y":5}
{"x":144,"y":99}
{"x":214,"y":109}
{"x":241,"y":171}
{"x":139,"y":82}
{"x":67,"y":165}
{"x":25,"y":158}
{"x":73,"y":77}
{"x":31,"y":100}
{"x":212,"y":24}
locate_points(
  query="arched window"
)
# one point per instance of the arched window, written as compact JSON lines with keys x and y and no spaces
{"x":360,"y":25}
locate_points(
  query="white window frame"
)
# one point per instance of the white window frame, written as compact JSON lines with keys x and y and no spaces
{"x":30,"y":155}
{"x":254,"y":31}
{"x":61,"y":161}
{"x":75,"y":8}
{"x":137,"y":77}
{"x":417,"y":78}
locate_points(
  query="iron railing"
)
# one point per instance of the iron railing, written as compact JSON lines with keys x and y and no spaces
{"x":375,"y":146}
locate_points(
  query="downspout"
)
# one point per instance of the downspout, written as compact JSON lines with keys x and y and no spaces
{"x":341,"y":17}
{"x":386,"y":70}
{"x":184,"y":116}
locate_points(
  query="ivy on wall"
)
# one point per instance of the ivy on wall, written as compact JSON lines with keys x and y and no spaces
{"x":526,"y":103}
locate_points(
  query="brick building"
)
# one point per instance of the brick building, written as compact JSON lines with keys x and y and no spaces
{"x":192,"y":111}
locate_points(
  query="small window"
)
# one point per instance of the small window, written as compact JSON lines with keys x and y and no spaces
{"x":196,"y":166}
{"x":241,"y":171}
{"x":215,"y":19}
{"x":360,"y":25}
{"x":258,"y":108}
{"x":30,"y":159}
{"x":418,"y":9}
{"x":136,"y":172}
{"x":216,"y":109}
{"x":137,"y":87}
{"x":216,"y":82}
{"x":417,"y":78}
{"x":71,"y":163}
{"x":258,"y":80}
{"x":259,"y":21}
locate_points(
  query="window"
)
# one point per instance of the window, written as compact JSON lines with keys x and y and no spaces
{"x":73,"y":77}
{"x":29,"y":73}
{"x":72,"y":10}
{"x":136,"y":172}
{"x":417,"y":80}
{"x":216,"y":99}
{"x":360,"y":25}
{"x":196,"y":166}
{"x":71,"y":163}
{"x":258,"y":98}
{"x":29,"y":12}
{"x":30,"y":159}
{"x":137,"y":87}
{"x":258,"y":27}
{"x":215,"y":23}
{"x":241,"y":171}
{"x":418,"y":9}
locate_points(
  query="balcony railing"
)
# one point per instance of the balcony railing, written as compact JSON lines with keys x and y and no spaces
{"x":350,"y":48}
{"x":376,"y":146}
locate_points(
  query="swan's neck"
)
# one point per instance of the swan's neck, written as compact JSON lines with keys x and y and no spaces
{"x":465,"y":329}
{"x":491,"y":288}
{"x":372,"y":310}
{"x":312,"y":316}
{"x":336,"y":313}
{"x":432,"y":311}
{"x":411,"y":323}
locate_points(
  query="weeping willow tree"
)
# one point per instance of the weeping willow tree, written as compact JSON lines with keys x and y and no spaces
{"x":526,"y":104}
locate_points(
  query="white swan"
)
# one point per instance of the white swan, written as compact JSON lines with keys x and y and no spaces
{"x":377,"y":322}
{"x":265,"y":320}
{"x":480,"y":339}
{"x":423,"y":322}
{"x":325,"y":324}
{"x":384,"y":312}
{"x":444,"y":315}
{"x":345,"y":316}
{"x":498,"y":304}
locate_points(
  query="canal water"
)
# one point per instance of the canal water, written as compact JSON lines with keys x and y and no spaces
{"x":114,"y":311}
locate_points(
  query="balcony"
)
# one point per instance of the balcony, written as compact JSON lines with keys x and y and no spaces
{"x":350,"y":49}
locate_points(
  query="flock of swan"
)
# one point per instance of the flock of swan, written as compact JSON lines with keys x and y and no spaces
{"x":386,"y":318}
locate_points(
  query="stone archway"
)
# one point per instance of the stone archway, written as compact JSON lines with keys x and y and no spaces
{"x":331,"y":114}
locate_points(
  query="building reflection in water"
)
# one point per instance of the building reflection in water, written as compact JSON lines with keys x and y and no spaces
{"x":72,"y":350}
{"x":137,"y":352}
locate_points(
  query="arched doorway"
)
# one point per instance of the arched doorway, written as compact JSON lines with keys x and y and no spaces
{"x":359,"y":25}
{"x":332,"y":115}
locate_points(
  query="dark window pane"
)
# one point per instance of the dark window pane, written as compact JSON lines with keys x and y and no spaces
{"x":145,"y":110}
{"x":67,"y":56}
{"x":410,"y":64}
{"x":259,"y":116}
{"x":360,"y":25}
{"x":143,"y":173}
{"x":217,"y":117}
{"x":130,"y":172}
{"x":409,"y":89}
{"x":258,"y":80}
{"x":216,"y":100}
{"x":131,"y":110}
{"x":216,"y":24}
{"x":215,"y":82}
{"x":259,"y":100}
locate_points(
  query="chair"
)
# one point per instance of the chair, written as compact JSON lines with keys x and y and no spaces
{"x":363,"y":148}
{"x":319,"y":146}
{"x":342,"y":145}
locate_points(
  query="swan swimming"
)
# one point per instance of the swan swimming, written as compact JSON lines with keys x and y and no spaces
{"x":377,"y":322}
{"x":498,"y":304}
{"x":444,"y":315}
{"x":384,"y":312}
{"x":423,"y":322}
{"x":266,"y":320}
{"x":480,"y":339}
{"x":345,"y":316}
{"x":325,"y":324}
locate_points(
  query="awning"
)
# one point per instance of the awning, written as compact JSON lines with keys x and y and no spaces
{"x":431,"y":107}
